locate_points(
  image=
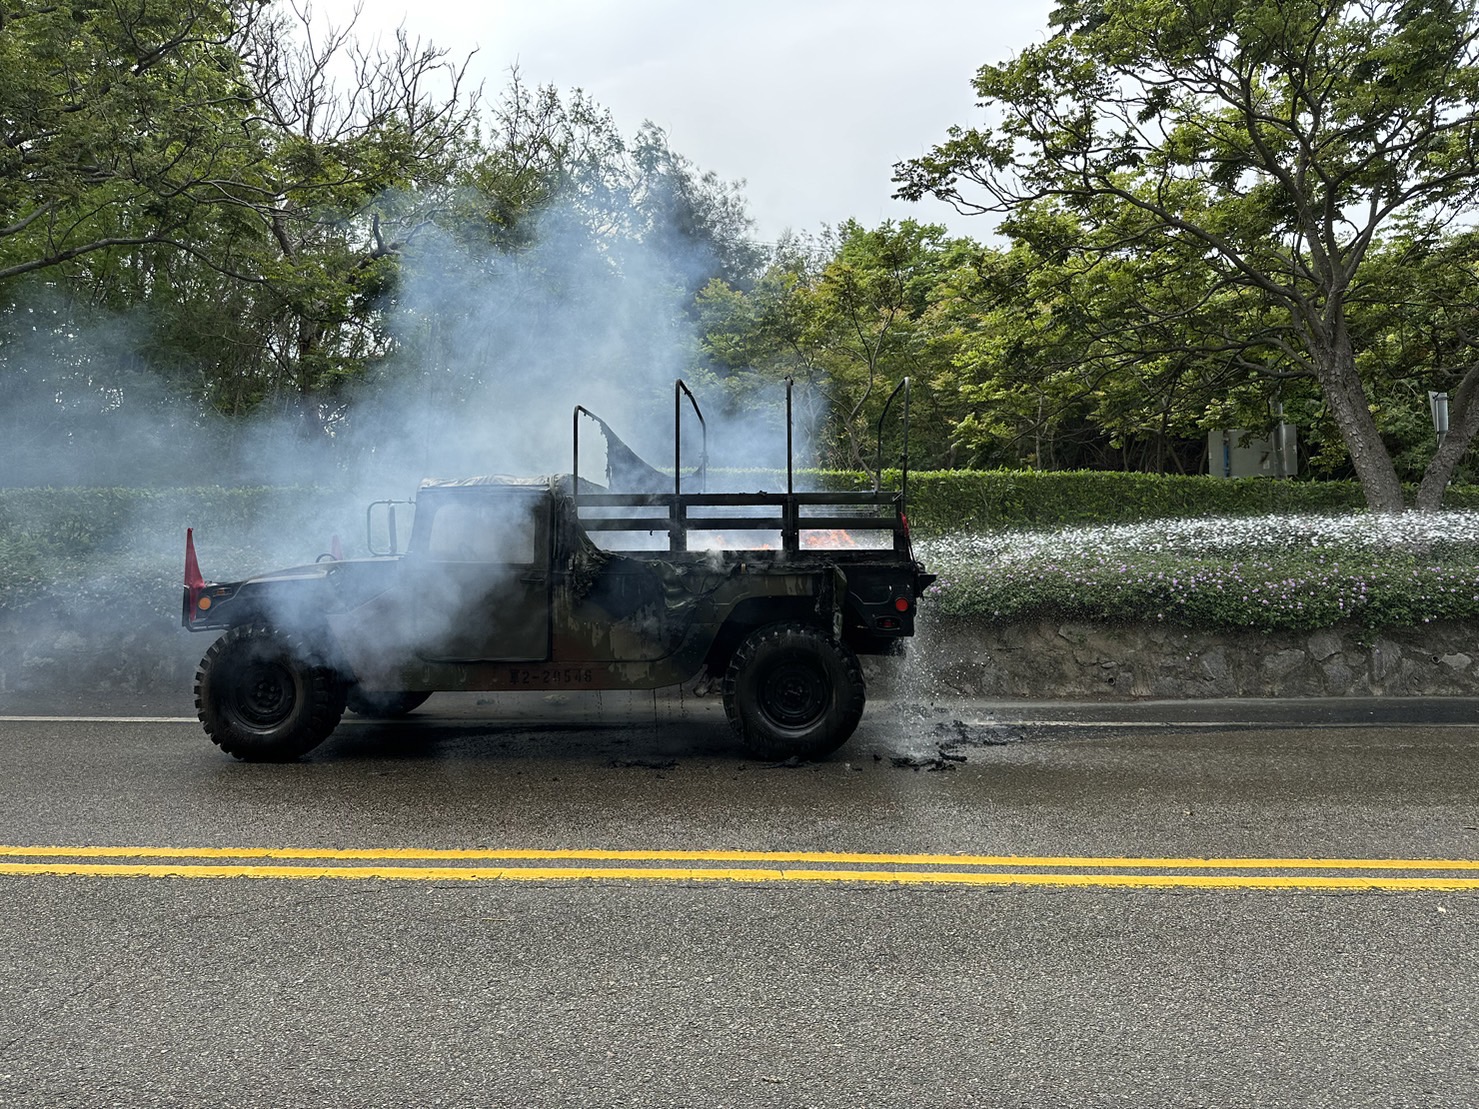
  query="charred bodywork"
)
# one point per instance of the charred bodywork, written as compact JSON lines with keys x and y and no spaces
{"x":502,"y":587}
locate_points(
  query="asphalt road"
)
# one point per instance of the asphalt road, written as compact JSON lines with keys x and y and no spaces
{"x":601,"y":902}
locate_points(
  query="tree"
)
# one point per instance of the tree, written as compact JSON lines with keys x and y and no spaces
{"x":1417,"y":332}
{"x":1088,"y":354}
{"x":362,"y":146}
{"x":561,"y":164}
{"x":116,"y":122}
{"x":244,"y":173}
{"x":1276,"y":141}
{"x":250,"y":212}
{"x":850,"y":316}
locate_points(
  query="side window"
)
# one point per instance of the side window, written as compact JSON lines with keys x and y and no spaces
{"x":485,"y":530}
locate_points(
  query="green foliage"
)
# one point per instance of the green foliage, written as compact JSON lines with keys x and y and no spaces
{"x":1249,"y":158}
{"x":849,"y":317}
{"x":111,"y":118}
{"x":1185,"y":189}
{"x":201,"y":167}
{"x":85,"y":521}
{"x":209,"y":203}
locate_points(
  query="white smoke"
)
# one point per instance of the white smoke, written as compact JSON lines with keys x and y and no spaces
{"x":492,"y":353}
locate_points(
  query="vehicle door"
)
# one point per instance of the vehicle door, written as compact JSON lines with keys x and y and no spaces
{"x":485,"y":577}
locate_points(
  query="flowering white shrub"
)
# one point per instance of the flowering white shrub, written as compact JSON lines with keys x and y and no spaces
{"x":1259,"y":572}
{"x":1222,"y":535}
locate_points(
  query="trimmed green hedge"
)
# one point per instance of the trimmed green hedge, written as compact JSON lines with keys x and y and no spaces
{"x":80,"y":521}
{"x":946,"y":501}
{"x":84,"y":544}
{"x":942,"y":502}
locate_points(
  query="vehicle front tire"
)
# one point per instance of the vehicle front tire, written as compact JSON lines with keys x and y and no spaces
{"x":263,"y":696}
{"x":791,"y":692}
{"x":383,"y":704}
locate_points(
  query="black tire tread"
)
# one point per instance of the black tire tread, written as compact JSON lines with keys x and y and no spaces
{"x":852,"y":694}
{"x":323,"y":689}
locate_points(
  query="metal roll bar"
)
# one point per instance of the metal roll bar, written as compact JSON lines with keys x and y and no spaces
{"x":680,"y":390}
{"x":903,"y":387}
{"x":786,"y":508}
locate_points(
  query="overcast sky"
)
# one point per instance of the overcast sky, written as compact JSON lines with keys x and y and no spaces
{"x":810,"y":102}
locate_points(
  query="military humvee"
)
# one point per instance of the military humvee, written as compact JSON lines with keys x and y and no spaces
{"x":503,"y":586}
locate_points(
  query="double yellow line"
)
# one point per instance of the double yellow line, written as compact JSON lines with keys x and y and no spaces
{"x":534,"y":865}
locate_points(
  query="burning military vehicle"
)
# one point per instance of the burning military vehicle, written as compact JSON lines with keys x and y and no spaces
{"x":559,"y":583}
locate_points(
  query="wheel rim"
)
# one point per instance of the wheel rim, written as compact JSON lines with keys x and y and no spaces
{"x":793,"y":694}
{"x":263,"y":695}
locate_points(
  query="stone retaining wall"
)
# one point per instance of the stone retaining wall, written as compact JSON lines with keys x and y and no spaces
{"x":1105,"y":662}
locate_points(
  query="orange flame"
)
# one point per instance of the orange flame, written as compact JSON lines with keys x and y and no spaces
{"x":812,"y":539}
{"x":828,"y":540}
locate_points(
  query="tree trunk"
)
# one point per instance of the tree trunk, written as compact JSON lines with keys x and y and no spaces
{"x":1335,"y":367}
{"x":1462,"y":427}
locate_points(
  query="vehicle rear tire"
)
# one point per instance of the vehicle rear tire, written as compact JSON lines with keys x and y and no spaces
{"x":791,"y":692}
{"x":383,"y":704}
{"x":262,"y":696}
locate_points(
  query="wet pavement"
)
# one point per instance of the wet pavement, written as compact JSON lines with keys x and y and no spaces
{"x":549,"y":990}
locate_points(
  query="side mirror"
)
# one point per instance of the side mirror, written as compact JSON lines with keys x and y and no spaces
{"x":383,"y":525}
